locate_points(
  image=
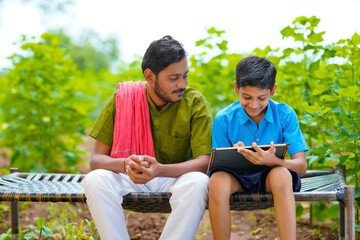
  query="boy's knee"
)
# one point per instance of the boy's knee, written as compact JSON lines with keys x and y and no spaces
{"x":280,"y":179}
{"x":219,"y":184}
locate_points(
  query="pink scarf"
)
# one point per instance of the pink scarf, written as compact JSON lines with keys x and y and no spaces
{"x":132,"y":132}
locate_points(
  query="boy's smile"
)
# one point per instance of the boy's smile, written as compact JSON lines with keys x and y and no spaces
{"x":254,"y":100}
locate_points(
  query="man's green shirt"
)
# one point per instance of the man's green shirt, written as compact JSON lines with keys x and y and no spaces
{"x":180,"y":131}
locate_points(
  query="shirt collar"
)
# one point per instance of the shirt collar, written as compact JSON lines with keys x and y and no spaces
{"x":244,"y":117}
{"x":269,"y":113}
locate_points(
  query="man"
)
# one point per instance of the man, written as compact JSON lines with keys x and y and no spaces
{"x":180,"y":123}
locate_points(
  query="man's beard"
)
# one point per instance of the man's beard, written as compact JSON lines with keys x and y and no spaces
{"x":162,"y":94}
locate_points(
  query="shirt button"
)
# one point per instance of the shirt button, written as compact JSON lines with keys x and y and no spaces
{"x":156,"y":129}
{"x":257,"y":140}
{"x":157,"y":116}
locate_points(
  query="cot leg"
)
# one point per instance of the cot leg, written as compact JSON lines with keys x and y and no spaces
{"x":350,"y":212}
{"x":14,"y":214}
{"x":14,"y":220}
{"x":341,"y":221}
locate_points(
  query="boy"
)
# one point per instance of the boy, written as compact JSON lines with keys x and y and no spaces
{"x":257,"y":120}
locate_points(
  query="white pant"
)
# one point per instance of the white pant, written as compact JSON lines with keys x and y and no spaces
{"x":105,"y":190}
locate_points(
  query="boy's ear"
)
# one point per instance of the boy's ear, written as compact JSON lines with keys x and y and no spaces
{"x":236,"y":88}
{"x":273,"y":90}
{"x":149,"y":75}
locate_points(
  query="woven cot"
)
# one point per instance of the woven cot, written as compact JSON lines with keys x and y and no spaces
{"x":51,"y":187}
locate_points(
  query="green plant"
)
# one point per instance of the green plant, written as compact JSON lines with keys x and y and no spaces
{"x":44,"y":109}
{"x":213,"y":71}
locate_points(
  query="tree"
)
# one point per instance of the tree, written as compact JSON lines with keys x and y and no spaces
{"x":90,"y":52}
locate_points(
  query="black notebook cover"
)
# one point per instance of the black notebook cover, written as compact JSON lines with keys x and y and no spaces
{"x":231,"y":159}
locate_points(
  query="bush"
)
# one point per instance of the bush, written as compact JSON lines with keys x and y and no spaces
{"x":43,"y":108}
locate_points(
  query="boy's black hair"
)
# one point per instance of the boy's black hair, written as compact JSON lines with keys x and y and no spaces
{"x":161,"y":53}
{"x":255,"y":71}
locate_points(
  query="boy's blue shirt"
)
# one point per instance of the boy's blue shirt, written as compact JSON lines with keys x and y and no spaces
{"x":280,"y":125}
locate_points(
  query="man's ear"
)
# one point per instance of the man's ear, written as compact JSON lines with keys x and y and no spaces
{"x":236,"y":88}
{"x":149,"y":75}
{"x":273,"y":90}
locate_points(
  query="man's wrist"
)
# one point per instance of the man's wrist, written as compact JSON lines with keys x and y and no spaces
{"x":160,"y":170}
{"x":123,"y":165}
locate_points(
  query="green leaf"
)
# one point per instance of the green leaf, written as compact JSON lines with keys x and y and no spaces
{"x":357,"y":228}
{"x":316,"y":37}
{"x":319,"y":90}
{"x":313,"y":108}
{"x":200,"y":42}
{"x":40,"y":222}
{"x":312,"y":159}
{"x":5,"y":236}
{"x":223,"y":45}
{"x":213,"y":30}
{"x":299,"y":210}
{"x":299,"y":37}
{"x":314,"y":21}
{"x":341,"y":41}
{"x":302,"y":20}
{"x":46,"y":231}
{"x":287,"y":32}
{"x":257,"y":231}
{"x":355,"y":39}
{"x":357,"y":193}
{"x":327,"y":98}
{"x":29,"y":236}
{"x":351,"y":91}
{"x":315,"y":66}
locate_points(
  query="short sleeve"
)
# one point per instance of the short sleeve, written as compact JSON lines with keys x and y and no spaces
{"x":201,"y":122}
{"x":220,"y":132}
{"x":103,"y":128}
{"x":293,"y":135}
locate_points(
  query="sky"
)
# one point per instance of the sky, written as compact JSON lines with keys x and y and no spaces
{"x":248,"y":24}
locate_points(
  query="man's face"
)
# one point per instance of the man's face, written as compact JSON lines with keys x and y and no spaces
{"x":254,"y":100}
{"x":170,"y":83}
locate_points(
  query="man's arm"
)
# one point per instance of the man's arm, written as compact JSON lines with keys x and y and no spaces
{"x":141,"y":174}
{"x":200,"y":164}
{"x":100,"y":158}
{"x":137,"y":171}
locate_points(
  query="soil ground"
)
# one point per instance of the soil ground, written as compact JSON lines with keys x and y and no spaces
{"x":257,"y":224}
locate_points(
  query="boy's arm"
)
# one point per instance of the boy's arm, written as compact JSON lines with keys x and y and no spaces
{"x":297,"y":163}
{"x":268,"y":158}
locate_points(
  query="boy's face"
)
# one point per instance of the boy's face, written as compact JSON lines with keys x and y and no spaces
{"x":254,"y":100}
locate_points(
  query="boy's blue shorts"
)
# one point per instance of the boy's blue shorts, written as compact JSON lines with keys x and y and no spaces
{"x":255,"y":182}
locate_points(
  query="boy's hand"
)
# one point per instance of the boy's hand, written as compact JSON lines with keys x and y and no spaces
{"x":239,"y":144}
{"x":142,"y":169}
{"x":260,"y":157}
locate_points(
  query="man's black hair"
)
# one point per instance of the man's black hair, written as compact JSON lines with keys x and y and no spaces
{"x":255,"y":71}
{"x":161,"y":53}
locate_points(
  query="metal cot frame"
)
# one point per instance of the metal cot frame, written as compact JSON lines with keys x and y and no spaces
{"x":317,"y":185}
